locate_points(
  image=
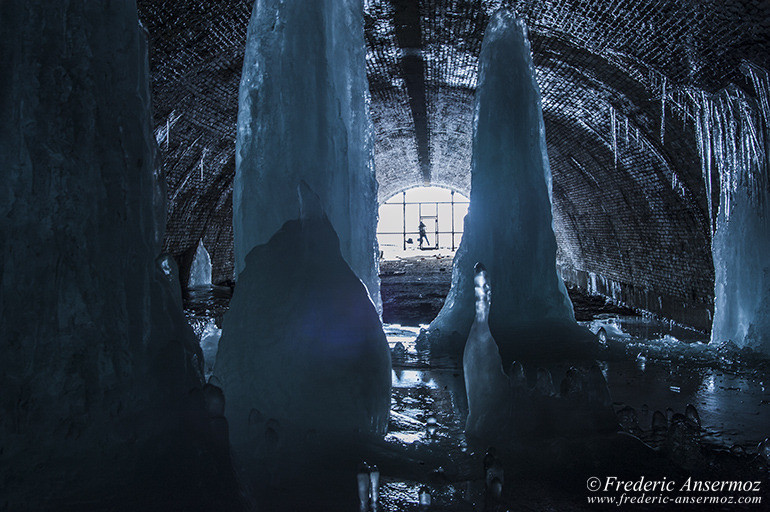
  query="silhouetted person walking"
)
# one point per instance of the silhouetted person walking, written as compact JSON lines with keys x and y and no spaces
{"x":423,"y":235}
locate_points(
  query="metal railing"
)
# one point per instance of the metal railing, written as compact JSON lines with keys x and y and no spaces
{"x":435,"y":232}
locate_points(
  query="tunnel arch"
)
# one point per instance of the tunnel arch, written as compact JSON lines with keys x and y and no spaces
{"x":595,"y":61}
{"x":465,"y":192}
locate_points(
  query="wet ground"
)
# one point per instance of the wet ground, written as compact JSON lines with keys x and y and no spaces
{"x":413,"y":291}
{"x":649,"y":366}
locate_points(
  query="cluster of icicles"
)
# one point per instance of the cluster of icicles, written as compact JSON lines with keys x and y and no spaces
{"x":732,"y":133}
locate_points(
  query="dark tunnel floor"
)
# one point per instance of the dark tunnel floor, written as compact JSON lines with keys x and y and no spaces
{"x":413,"y":291}
{"x":649,"y":366}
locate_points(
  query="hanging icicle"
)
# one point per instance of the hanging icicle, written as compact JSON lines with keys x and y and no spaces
{"x":626,"y":132}
{"x":703,"y":134}
{"x":663,"y":94}
{"x":613,"y":128}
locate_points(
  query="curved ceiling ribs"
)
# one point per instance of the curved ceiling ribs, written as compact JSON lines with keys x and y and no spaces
{"x":627,"y":203}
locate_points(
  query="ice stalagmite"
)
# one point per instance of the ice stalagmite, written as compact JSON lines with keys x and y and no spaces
{"x":97,"y":358}
{"x":302,"y":345}
{"x":741,"y":250}
{"x":200,"y":271}
{"x":485,"y":382}
{"x":503,"y":408}
{"x":304,"y":117}
{"x":509,"y":223}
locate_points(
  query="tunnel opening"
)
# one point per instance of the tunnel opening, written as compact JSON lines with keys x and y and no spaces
{"x":440,"y":211}
{"x":418,"y":232}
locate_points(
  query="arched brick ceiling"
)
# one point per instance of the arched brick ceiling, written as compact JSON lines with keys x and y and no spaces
{"x":639,"y":217}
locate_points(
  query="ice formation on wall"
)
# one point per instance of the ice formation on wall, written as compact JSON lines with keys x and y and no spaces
{"x":304,"y":116}
{"x":87,"y":314}
{"x":302,"y":344}
{"x":509,"y":223}
{"x":733,"y":136}
{"x":200,"y":271}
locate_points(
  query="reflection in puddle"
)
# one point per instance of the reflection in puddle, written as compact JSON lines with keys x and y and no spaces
{"x":649,"y":365}
{"x":412,"y":378}
{"x":732,"y":408}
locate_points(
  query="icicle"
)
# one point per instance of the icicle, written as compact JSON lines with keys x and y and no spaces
{"x":663,"y":95}
{"x":168,"y":132}
{"x":703,"y":134}
{"x":732,"y":138}
{"x":613,"y":128}
{"x":626,"y":132}
{"x":201,"y":168}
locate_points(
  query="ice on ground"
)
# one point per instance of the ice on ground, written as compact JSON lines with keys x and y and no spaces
{"x":509,"y":223}
{"x":304,"y":116}
{"x":200,"y":271}
{"x":302,"y":342}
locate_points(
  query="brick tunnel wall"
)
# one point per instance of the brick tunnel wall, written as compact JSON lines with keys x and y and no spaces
{"x":631,"y":219}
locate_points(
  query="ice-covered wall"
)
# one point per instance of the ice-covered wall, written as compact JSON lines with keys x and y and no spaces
{"x":304,"y":116}
{"x":96,"y":353}
{"x":509,"y":223}
{"x":733,"y":133}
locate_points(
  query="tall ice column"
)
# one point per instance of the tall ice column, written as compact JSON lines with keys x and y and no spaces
{"x":97,"y":358}
{"x":304,"y":116}
{"x":509,"y":223}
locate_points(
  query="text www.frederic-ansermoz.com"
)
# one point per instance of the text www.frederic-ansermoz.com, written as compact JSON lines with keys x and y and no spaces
{"x":611,"y":490}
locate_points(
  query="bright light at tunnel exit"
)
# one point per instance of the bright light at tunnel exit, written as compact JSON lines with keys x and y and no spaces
{"x":441,"y":211}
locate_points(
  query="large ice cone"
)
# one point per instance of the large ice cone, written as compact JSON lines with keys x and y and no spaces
{"x":509,"y":223}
